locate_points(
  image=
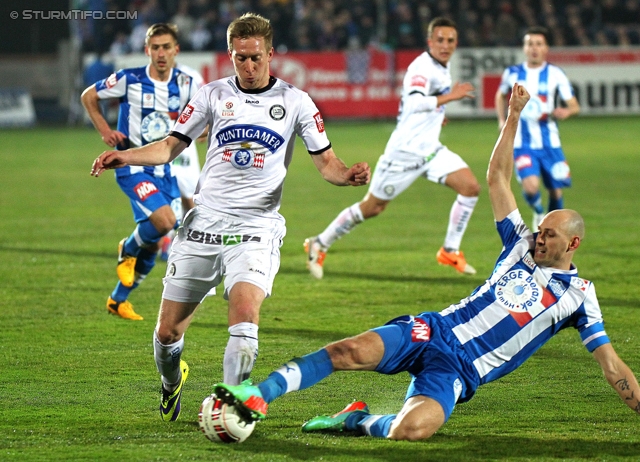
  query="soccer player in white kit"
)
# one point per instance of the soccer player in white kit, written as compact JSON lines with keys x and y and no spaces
{"x":151,"y":99}
{"x":235,"y":231}
{"x":538,"y":152}
{"x":414,"y":151}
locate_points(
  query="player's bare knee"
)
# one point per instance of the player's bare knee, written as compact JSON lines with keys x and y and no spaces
{"x":344,"y":354}
{"x":470,"y":189}
{"x":409,"y":432}
{"x":167,"y":335}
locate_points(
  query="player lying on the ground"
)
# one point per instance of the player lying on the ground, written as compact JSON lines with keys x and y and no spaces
{"x":532,"y":294}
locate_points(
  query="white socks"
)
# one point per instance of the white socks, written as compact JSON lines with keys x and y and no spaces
{"x":461,"y":211}
{"x":343,"y":224}
{"x":241,"y":352}
{"x":168,"y":361}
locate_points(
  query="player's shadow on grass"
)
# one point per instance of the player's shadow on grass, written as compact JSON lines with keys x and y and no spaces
{"x":459,"y":448}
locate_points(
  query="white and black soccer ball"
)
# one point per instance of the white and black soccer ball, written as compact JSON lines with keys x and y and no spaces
{"x":222,"y":423}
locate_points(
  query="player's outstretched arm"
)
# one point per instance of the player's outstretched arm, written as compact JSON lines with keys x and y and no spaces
{"x":619,"y":376}
{"x":156,"y":153}
{"x":458,"y":91}
{"x":336,"y":172}
{"x":500,"y":168}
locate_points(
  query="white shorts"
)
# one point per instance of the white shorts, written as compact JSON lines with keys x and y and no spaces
{"x":395,"y":173}
{"x":186,"y":169}
{"x":208,"y":248}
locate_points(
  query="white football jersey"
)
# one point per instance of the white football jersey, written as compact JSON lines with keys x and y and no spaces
{"x":537,"y":129}
{"x":418,"y":132}
{"x":251,"y":141}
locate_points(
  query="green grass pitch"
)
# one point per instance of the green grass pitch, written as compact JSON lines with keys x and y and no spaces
{"x":77,"y":384}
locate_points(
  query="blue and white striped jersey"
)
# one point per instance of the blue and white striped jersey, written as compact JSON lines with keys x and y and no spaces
{"x":521,"y":306}
{"x":537,"y":129}
{"x":148,"y":108}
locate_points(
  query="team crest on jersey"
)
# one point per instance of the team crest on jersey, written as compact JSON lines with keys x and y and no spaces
{"x":145,"y":189}
{"x":243,"y":158}
{"x":522,"y":296}
{"x":536,"y":108}
{"x":228,"y":109}
{"x":277,"y":112}
{"x":155,"y":126}
{"x":173,"y":103}
{"x":579,"y":283}
{"x":148,"y":100}
{"x":420,"y":331}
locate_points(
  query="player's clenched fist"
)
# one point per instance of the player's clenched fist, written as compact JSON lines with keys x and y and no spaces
{"x":519,"y":97}
{"x":359,"y":174}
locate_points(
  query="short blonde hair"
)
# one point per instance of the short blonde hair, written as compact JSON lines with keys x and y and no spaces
{"x":250,"y":25}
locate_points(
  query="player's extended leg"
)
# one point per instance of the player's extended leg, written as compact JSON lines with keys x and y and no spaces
{"x":168,"y":343}
{"x":241,"y":352}
{"x":419,"y":419}
{"x":362,"y":352}
{"x":464,"y":182}
{"x":316,"y":247}
{"x":136,"y":259}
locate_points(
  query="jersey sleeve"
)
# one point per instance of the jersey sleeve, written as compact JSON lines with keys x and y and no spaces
{"x":418,"y":95}
{"x":564,"y":85}
{"x":310,"y":127}
{"x":194,"y":117}
{"x":505,"y":84}
{"x":113,"y":86}
{"x":590,"y":324}
{"x":513,"y":229}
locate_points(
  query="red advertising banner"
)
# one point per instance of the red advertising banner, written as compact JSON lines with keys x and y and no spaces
{"x":363,"y":83}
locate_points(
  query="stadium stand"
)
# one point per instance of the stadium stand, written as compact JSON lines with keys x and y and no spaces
{"x":348,"y":24}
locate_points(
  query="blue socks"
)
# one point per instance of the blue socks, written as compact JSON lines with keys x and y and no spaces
{"x":144,"y":264}
{"x":555,"y":204}
{"x":534,"y":201}
{"x":369,"y":424}
{"x":297,"y":374}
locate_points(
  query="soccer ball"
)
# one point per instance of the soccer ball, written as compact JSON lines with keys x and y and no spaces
{"x":222,"y":423}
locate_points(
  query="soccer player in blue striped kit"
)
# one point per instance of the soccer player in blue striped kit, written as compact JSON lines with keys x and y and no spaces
{"x":537,"y":149}
{"x":151,"y":98}
{"x":533,"y":292}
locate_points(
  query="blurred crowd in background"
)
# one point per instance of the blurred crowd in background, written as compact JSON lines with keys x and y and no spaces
{"x":330,"y":25}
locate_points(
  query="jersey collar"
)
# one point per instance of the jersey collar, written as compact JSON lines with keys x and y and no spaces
{"x":272,"y":82}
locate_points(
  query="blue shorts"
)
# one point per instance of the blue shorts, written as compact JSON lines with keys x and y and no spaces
{"x":148,"y":193}
{"x":429,"y":351}
{"x":550,"y":164}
